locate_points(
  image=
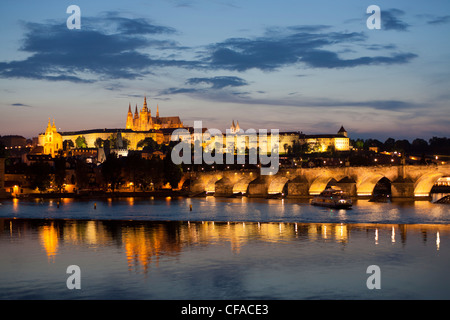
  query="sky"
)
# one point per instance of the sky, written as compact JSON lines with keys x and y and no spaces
{"x":307,"y":66}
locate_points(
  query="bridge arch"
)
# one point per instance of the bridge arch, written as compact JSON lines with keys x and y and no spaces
{"x":242,"y":185}
{"x":423,"y":185}
{"x":319,"y":184}
{"x":210,"y":185}
{"x":366,"y":186}
{"x":277,"y":185}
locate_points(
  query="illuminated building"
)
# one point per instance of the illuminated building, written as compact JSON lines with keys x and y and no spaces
{"x":142,"y":125}
{"x":325,"y":142}
{"x":138,"y":127}
{"x":144,"y":121}
{"x":51,"y":140}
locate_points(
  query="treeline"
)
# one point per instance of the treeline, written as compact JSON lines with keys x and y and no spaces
{"x":435,"y":145}
{"x":134,"y":172}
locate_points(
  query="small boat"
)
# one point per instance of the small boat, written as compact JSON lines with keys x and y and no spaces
{"x":332,"y":198}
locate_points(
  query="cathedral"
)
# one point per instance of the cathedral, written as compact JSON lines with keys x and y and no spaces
{"x":144,"y":121}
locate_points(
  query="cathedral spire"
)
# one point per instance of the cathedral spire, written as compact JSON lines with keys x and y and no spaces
{"x":129,"y":107}
{"x":145,"y":104}
{"x":157,"y":111}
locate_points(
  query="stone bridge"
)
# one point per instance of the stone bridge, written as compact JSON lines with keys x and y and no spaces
{"x":407,"y":181}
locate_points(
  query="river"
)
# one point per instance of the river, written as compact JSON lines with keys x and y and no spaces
{"x":147,"y":248}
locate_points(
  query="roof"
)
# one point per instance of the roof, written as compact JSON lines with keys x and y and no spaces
{"x":315,"y":136}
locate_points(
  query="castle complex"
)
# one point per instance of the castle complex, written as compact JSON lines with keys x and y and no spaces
{"x":142,"y":125}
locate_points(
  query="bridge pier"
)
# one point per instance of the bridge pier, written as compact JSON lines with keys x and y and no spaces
{"x":197,"y":186}
{"x":298,"y":188}
{"x":223,"y":188}
{"x":258,"y":188}
{"x":402,"y":189}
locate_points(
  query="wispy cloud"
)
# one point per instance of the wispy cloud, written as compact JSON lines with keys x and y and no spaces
{"x":219,"y":82}
{"x":439,"y":20}
{"x":390,"y":20}
{"x":20,"y":105}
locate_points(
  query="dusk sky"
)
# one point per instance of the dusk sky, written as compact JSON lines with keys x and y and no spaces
{"x":308,"y":66}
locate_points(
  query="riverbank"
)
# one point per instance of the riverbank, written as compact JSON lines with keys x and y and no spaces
{"x":102,"y":194}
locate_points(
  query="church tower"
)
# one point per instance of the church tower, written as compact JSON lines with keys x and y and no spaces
{"x":343,"y":132}
{"x":143,"y":119}
{"x":136,"y":119}
{"x":235,"y":128}
{"x":129,"y":118}
{"x":51,"y":140}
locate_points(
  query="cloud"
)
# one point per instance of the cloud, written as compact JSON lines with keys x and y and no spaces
{"x":214,"y":84}
{"x":439,"y":20}
{"x":170,"y":91}
{"x":114,"y":47}
{"x":219,"y":82}
{"x":293,"y":46}
{"x":20,"y":105}
{"x":390,"y":20}
{"x":133,"y":26}
{"x":92,"y":53}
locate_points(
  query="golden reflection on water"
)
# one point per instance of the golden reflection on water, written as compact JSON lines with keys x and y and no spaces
{"x":144,"y":243}
{"x":49,"y":240}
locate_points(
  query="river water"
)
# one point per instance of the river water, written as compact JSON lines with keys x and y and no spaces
{"x":147,"y":248}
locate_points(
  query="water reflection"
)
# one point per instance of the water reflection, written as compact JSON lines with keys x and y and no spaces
{"x":143,"y":243}
{"x":48,"y":236}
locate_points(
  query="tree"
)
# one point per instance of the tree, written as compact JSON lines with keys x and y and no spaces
{"x":172,"y":172}
{"x":419,"y":146}
{"x":112,"y":171}
{"x":60,"y":172}
{"x":67,"y":144}
{"x":126,"y":143}
{"x":134,"y":169}
{"x":81,"y":142}
{"x":149,"y":144}
{"x":81,"y":174}
{"x":99,"y":142}
{"x":389,"y":144}
{"x":372,"y":143}
{"x":286,"y":148}
{"x":402,"y":146}
{"x":440,"y":145}
{"x":38,"y":175}
{"x":112,"y":141}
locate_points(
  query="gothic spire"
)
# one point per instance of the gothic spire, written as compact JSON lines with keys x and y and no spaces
{"x":136,"y":113}
{"x":145,"y":104}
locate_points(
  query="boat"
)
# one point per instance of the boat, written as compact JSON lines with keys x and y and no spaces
{"x":332,"y":198}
